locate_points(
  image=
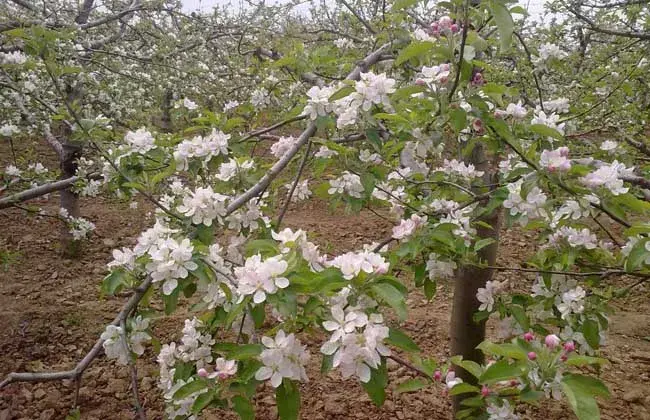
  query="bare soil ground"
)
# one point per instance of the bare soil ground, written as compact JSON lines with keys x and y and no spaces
{"x":51,"y":315}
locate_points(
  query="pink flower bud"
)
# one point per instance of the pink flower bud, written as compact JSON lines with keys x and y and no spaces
{"x":552,"y":341}
{"x":569,"y":346}
{"x":529,"y":336}
{"x":500,"y":114}
{"x":532,"y":355}
{"x":477,"y":125}
{"x":454,"y":28}
{"x":444,"y":67}
{"x":420,"y":82}
{"x":514,"y":382}
{"x":485,"y":391}
{"x":564,"y":358}
{"x":203,"y":373}
{"x":437,"y":375}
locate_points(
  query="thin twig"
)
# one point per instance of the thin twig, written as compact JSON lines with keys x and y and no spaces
{"x":293,"y":187}
{"x":134,"y":373}
{"x":461,"y":57}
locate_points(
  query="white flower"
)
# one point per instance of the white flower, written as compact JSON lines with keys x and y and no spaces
{"x":353,"y":263}
{"x":318,"y":104}
{"x":38,"y":168}
{"x":556,"y":159}
{"x":347,"y":183}
{"x":11,"y":170}
{"x":259,"y":278}
{"x":228,"y":170}
{"x":572,"y":302}
{"x":203,"y":205}
{"x":170,"y":261}
{"x":343,"y":43}
{"x":287,"y":236}
{"x":189,"y":104}
{"x":113,"y":345}
{"x":367,"y":157}
{"x":279,"y":148}
{"x":196,"y":346}
{"x":608,"y":146}
{"x":325,"y":153}
{"x":223,"y":368}
{"x":260,"y":98}
{"x":551,"y":121}
{"x":7,"y":130}
{"x":609,"y":177}
{"x":461,"y":169}
{"x":439,"y":269}
{"x":15,"y":57}
{"x":141,"y":140}
{"x":301,"y":192}
{"x":530,"y":207}
{"x":485,"y":295}
{"x":560,"y":105}
{"x":408,"y":226}
{"x":230,"y":105}
{"x":124,"y":258}
{"x":215,"y":144}
{"x":517,"y":110}
{"x":284,"y":357}
{"x":138,"y":334}
{"x":547,"y":51}
{"x":505,"y":412}
{"x":344,"y":323}
{"x":451,"y":380}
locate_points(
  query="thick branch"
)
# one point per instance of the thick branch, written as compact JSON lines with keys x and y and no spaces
{"x":94,"y":352}
{"x":37,"y":192}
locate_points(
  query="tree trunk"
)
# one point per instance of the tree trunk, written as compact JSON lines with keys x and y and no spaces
{"x":70,"y":248}
{"x":465,"y":333}
{"x":166,"y":118}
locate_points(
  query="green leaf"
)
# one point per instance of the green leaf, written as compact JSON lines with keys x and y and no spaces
{"x":114,"y":281}
{"x":482,"y":243}
{"x":412,"y":385}
{"x":341,"y":93}
{"x":430,"y":288}
{"x":399,"y":339}
{"x":202,"y":401}
{"x":258,"y":313}
{"x":245,"y":351}
{"x":389,"y":294}
{"x":243,"y":407}
{"x":580,"y":392}
{"x":520,"y":315}
{"x":189,"y":389}
{"x":590,"y":330}
{"x":501,"y":371}
{"x":287,"y":397}
{"x":579,"y":360}
{"x":414,"y":49}
{"x":458,"y":118}
{"x":403,"y":4}
{"x":463,"y":388}
{"x":376,"y":386}
{"x":472,"y":367}
{"x":546,"y":131}
{"x":510,"y":350}
{"x":170,"y":301}
{"x":504,"y":22}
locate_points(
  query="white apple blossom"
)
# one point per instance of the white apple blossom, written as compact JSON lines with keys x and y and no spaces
{"x":8,"y":130}
{"x":503,"y":412}
{"x":352,"y":264}
{"x":123,"y":258}
{"x":260,"y":278}
{"x":189,"y":104}
{"x":557,"y":159}
{"x":407,"y":227}
{"x":609,"y":146}
{"x":559,"y":105}
{"x":460,"y":169}
{"x":228,"y":170}
{"x":608,"y":176}
{"x":113,"y":344}
{"x":451,"y":380}
{"x":279,"y":148}
{"x":325,"y":153}
{"x":230,"y":105}
{"x":195,"y":346}
{"x":572,"y":302}
{"x":440,"y":269}
{"x":223,"y":369}
{"x":11,"y":170}
{"x":343,"y":43}
{"x":260,"y":98}
{"x":551,"y":121}
{"x":530,"y":207}
{"x":205,"y":148}
{"x":37,"y":168}
{"x":288,"y":236}
{"x":140,"y":141}
{"x":301,"y":192}
{"x":517,"y":111}
{"x":318,"y":104}
{"x":14,"y":57}
{"x":203,"y":206}
{"x":170,"y":260}
{"x":574,"y":237}
{"x":366,"y":156}
{"x":348,"y":183}
{"x":547,"y":51}
{"x":283,"y":357}
{"x":485,"y":295}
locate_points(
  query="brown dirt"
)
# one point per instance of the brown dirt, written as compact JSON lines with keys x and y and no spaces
{"x":52,"y":314}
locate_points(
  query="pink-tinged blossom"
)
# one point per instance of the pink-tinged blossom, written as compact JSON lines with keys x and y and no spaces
{"x":552,"y":341}
{"x":407,"y":227}
{"x":283,"y":357}
{"x":261,"y":277}
{"x":485,"y":295}
{"x":556,"y":160}
{"x":609,"y":176}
